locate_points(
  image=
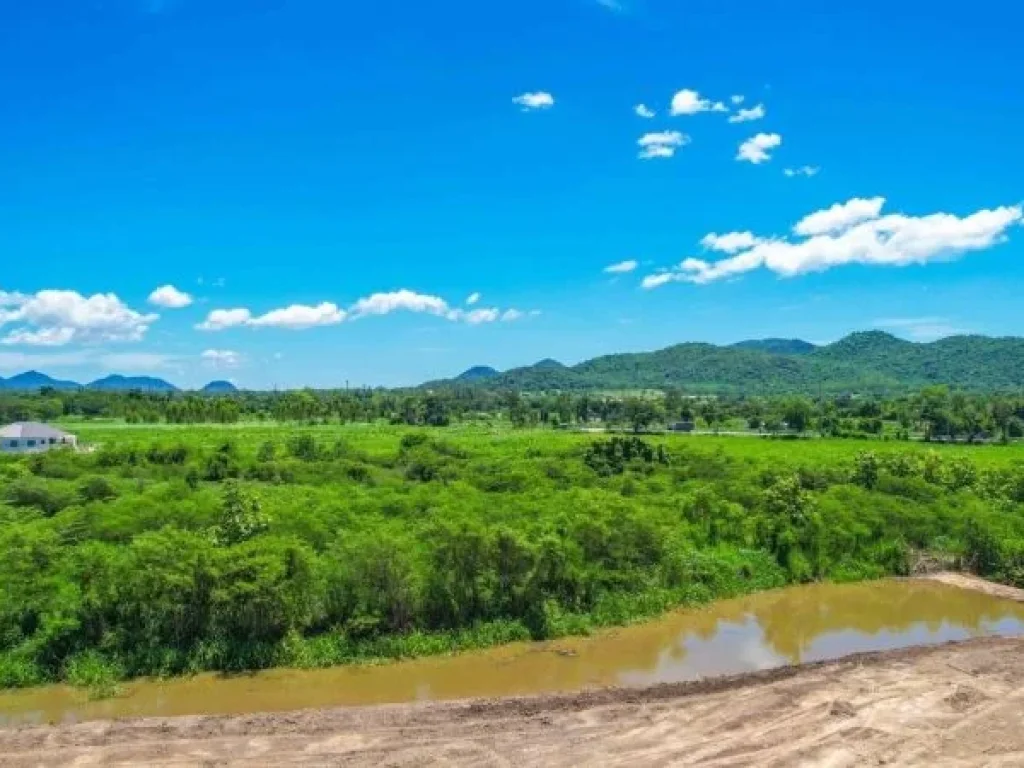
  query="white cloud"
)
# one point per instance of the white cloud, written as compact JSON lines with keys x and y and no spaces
{"x":386,"y":303}
{"x":855,"y":232}
{"x":687,"y":102}
{"x":221,"y":319}
{"x":755,"y":150}
{"x":295,"y":318}
{"x":737,"y":98}
{"x":920,"y":328}
{"x":221,"y":358}
{"x":840,"y":216}
{"x":661,"y":144}
{"x":622,"y":267}
{"x":615,"y":6}
{"x":533,"y":101}
{"x":54,"y":318}
{"x":299,"y":317}
{"x":477,"y":316}
{"x":730,"y":242}
{"x":656,"y":280}
{"x":169,"y":297}
{"x":642,"y":110}
{"x":806,"y":170}
{"x":511,"y":315}
{"x":748,"y":115}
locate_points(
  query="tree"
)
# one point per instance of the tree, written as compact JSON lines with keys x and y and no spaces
{"x":640,"y":413}
{"x":797,"y":413}
{"x":241,"y":516}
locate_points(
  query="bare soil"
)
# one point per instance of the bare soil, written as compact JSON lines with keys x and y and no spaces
{"x":954,"y":705}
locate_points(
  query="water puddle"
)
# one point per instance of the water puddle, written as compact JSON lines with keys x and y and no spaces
{"x":798,"y":624}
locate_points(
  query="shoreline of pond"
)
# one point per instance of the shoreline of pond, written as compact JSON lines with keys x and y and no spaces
{"x":782,"y":716}
{"x":631,"y":657}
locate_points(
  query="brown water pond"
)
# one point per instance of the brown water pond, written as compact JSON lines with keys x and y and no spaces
{"x":798,"y":624}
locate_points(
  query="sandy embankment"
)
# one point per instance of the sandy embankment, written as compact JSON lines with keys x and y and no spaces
{"x":955,"y":705}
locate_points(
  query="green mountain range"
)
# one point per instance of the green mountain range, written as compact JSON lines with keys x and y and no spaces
{"x":866,"y":362}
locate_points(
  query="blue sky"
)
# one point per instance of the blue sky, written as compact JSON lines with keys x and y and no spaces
{"x":325,"y":184}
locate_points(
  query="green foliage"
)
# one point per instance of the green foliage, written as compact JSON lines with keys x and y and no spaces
{"x":175,"y":550}
{"x":241,"y":516}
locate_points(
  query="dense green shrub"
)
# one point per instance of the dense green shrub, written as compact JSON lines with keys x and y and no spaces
{"x":217,"y":550}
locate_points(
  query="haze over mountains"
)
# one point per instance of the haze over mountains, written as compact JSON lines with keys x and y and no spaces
{"x":34,"y":380}
{"x":865,"y":362}
{"x":870,"y":362}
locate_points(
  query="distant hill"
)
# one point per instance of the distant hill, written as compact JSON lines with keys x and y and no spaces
{"x":777,"y":346}
{"x":477,"y":373}
{"x":33,"y":380}
{"x":867,"y":362}
{"x":219,"y":388}
{"x":117,"y":383}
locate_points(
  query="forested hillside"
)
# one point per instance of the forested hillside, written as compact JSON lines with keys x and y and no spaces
{"x":869,"y":362}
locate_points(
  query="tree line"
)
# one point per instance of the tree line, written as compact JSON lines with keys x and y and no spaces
{"x":934,"y":413}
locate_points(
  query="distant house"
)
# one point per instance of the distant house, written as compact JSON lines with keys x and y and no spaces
{"x":32,"y":437}
{"x":682,"y":426}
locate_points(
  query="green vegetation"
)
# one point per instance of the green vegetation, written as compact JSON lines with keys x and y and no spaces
{"x":170,"y":550}
{"x":866,"y":363}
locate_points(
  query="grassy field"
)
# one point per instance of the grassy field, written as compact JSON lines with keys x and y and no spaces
{"x":173,"y":549}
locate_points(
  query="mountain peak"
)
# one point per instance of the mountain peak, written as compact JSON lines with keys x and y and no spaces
{"x":477,"y":373}
{"x":219,"y":387}
{"x":118,"y":383}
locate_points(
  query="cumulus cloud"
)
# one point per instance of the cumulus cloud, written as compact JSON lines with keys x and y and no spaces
{"x":169,"y":297}
{"x":687,"y":102}
{"x":805,"y":170}
{"x":730,"y":242}
{"x":299,"y":317}
{"x":755,"y":150}
{"x":737,"y":98}
{"x":622,"y":267}
{"x":856,"y":232}
{"x":840,"y":216}
{"x":296,"y":317}
{"x":748,"y":115}
{"x":222,"y":319}
{"x":642,"y":110}
{"x":221,"y":358}
{"x":393,"y":301}
{"x":511,"y":315}
{"x":661,"y":144}
{"x":534,"y":101}
{"x":54,"y":318}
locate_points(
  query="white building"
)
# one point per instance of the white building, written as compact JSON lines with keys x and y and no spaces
{"x":32,"y":437}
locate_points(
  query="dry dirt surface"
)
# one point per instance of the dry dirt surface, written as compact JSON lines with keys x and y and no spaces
{"x":955,"y":705}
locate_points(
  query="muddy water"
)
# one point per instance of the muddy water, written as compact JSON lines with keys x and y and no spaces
{"x":798,"y":624}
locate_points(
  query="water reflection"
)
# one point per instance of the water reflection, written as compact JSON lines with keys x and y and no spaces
{"x":758,"y":632}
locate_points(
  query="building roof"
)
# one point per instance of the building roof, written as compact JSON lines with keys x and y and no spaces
{"x":31,"y":430}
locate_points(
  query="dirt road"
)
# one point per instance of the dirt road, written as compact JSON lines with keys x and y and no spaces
{"x":957,"y":705}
